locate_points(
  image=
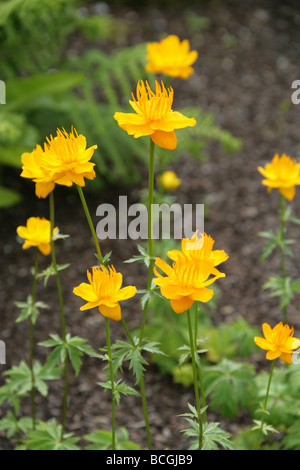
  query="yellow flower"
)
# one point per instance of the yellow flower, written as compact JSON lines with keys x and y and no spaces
{"x":154,"y":116}
{"x":104,"y":291}
{"x":283,"y":173}
{"x":201,"y":248}
{"x":171,"y":57}
{"x":187,"y":280}
{"x":169,"y":180}
{"x":278,"y":341}
{"x":64,"y":160}
{"x":33,"y":169}
{"x":37,"y":233}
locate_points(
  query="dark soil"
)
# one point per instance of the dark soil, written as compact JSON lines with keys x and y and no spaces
{"x":248,"y":59}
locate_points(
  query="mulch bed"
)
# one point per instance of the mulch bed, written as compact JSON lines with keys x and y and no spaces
{"x":248,"y":59}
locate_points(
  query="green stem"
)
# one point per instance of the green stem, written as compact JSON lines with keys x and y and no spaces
{"x":112,"y":384}
{"x":31,"y":339}
{"x":265,"y":406}
{"x":145,"y":409}
{"x":149,"y":282}
{"x":282,"y":259}
{"x":90,"y":222}
{"x":203,"y":398}
{"x":195,"y":380}
{"x":62,"y":312}
{"x":150,"y":233}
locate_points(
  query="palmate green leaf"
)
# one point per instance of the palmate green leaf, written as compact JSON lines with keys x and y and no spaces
{"x":144,"y":257}
{"x":266,"y":428}
{"x":291,"y":440}
{"x":73,"y":347}
{"x":125,"y":351}
{"x":230,"y":386}
{"x":102,"y":440}
{"x":214,"y":438}
{"x":50,"y":271}
{"x":21,"y":381}
{"x":47,"y":436}
{"x":29,"y":309}
{"x":280,"y":287}
{"x":13,"y":425}
{"x":9,"y":395}
{"x":120,"y":387}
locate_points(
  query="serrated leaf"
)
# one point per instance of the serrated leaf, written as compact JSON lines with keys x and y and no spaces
{"x":120,"y":387}
{"x":230,"y":385}
{"x":47,"y":436}
{"x":102,"y":440}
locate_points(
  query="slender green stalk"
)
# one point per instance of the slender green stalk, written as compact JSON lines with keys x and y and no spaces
{"x":150,"y":233}
{"x":112,"y":384}
{"x":150,"y":271}
{"x":143,"y":392}
{"x":150,"y":275}
{"x":198,"y":407}
{"x":90,"y":222}
{"x":62,"y":312}
{"x":265,"y":406}
{"x":145,"y":409}
{"x":282,"y":258}
{"x":31,"y":340}
{"x":198,"y":361}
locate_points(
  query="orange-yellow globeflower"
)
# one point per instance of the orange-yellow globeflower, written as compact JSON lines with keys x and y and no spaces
{"x":104,"y":291}
{"x":36,"y":233}
{"x":64,"y":160}
{"x":171,"y":57}
{"x":188,"y":278}
{"x":199,"y":246}
{"x":282,"y":173}
{"x":154,"y":116}
{"x":278,"y":342}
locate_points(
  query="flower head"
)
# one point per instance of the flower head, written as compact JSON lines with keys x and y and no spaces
{"x":282,"y":173}
{"x":278,"y":342}
{"x":37,"y":233}
{"x":188,"y":278}
{"x":199,"y":247}
{"x":104,"y":291}
{"x":171,"y":57}
{"x":169,"y":180}
{"x":64,"y":160}
{"x":154,"y":116}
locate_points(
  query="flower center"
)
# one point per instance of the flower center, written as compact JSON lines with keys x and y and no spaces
{"x":154,"y":106}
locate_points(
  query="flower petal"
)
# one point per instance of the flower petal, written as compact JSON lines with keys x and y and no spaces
{"x":165,"y":140}
{"x":114,"y":313}
{"x":181,"y":305}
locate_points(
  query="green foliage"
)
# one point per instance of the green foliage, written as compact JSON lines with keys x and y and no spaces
{"x":73,"y":348}
{"x":47,"y":436}
{"x":283,"y":399}
{"x":29,"y":309}
{"x":284,"y":288}
{"x":274,"y":241}
{"x":101,"y":440}
{"x":14,"y":426}
{"x":214,"y":438}
{"x":21,"y":379}
{"x":231,"y":340}
{"x":230,"y":385}
{"x":120,"y":388}
{"x":125,"y":351}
